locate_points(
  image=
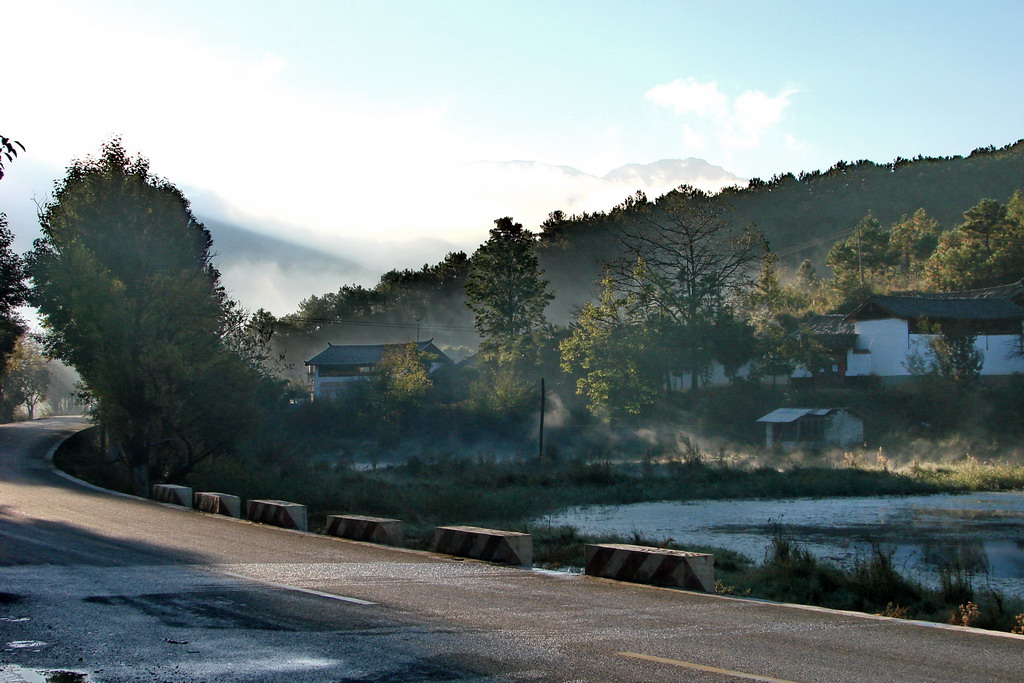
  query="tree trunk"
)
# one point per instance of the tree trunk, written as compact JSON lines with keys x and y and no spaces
{"x":140,"y":479}
{"x":136,"y":453}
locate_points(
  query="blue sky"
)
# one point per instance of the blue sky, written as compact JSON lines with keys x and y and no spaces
{"x":356,"y":126}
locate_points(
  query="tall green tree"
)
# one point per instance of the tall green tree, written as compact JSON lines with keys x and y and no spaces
{"x":861,"y":257}
{"x":128,"y":296}
{"x":506,"y":289}
{"x":912,"y":239}
{"x":611,"y":353}
{"x":12,"y":292}
{"x":770,"y":309}
{"x":26,"y":380}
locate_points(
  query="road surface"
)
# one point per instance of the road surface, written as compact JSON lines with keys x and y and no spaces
{"x":120,"y":589}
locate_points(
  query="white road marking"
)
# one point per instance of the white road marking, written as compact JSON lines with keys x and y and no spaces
{"x":297,"y":589}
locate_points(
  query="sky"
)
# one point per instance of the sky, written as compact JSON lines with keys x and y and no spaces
{"x":378,"y":131}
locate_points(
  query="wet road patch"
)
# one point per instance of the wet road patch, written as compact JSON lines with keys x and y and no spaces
{"x":235,"y":609}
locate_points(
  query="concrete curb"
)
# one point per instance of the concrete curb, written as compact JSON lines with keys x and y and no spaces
{"x":362,"y":528}
{"x":277,"y":513}
{"x":658,"y":566}
{"x":218,"y":503}
{"x":492,"y":545}
{"x":173,"y":494}
{"x":48,"y":461}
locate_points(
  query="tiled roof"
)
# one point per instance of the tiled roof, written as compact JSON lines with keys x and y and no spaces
{"x":1005,"y":302}
{"x":832,"y":331}
{"x":936,"y":308}
{"x":828,"y":324}
{"x":360,"y":354}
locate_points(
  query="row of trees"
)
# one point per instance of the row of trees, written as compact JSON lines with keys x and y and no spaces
{"x":399,"y":296}
{"x":984,"y":250}
{"x":24,"y":373}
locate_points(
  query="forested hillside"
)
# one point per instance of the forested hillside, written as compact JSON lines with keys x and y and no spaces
{"x":803,"y":215}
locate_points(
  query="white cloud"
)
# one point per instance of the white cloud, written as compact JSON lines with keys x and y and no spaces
{"x":690,"y":97}
{"x":712,"y":120}
{"x":754,"y":113}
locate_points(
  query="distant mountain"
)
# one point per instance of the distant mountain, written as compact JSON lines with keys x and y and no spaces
{"x":567,"y":184}
{"x":672,"y":173}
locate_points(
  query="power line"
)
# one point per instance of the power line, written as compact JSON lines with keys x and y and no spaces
{"x":832,"y":237}
{"x":368,"y":323}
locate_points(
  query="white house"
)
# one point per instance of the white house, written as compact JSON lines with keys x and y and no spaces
{"x":881,"y":335}
{"x":334,"y":369}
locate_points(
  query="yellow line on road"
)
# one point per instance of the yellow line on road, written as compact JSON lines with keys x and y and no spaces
{"x":701,"y":667}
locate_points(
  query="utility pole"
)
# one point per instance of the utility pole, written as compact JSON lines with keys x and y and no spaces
{"x":540,"y":452}
{"x":860,"y":257}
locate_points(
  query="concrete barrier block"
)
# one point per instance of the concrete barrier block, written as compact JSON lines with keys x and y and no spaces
{"x":658,"y":566}
{"x":361,"y":528}
{"x":493,"y":545}
{"x":218,"y":503}
{"x":277,"y":512}
{"x":174,"y":494}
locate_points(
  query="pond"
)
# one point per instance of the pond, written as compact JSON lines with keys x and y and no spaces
{"x":983,"y":532}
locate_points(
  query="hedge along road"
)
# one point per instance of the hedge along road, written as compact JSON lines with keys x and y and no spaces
{"x":128,"y":590}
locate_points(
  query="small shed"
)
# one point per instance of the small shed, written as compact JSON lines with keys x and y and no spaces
{"x":792,"y":427}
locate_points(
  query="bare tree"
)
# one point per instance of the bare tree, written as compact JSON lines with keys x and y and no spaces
{"x":684,"y":267}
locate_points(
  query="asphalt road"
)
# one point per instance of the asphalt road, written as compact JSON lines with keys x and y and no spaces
{"x":120,"y":589}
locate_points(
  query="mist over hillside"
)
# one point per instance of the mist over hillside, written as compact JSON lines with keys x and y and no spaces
{"x":531,"y":190}
{"x":276,"y":271}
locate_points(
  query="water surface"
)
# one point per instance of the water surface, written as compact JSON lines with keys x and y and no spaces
{"x":982,"y":531}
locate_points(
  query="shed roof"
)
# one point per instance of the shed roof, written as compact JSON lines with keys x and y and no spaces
{"x":793,"y":414}
{"x":362,"y":354}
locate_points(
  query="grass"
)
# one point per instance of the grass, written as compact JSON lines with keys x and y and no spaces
{"x":485,"y":490}
{"x":873,"y":585}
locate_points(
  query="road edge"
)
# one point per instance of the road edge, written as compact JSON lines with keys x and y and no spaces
{"x":48,"y":460}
